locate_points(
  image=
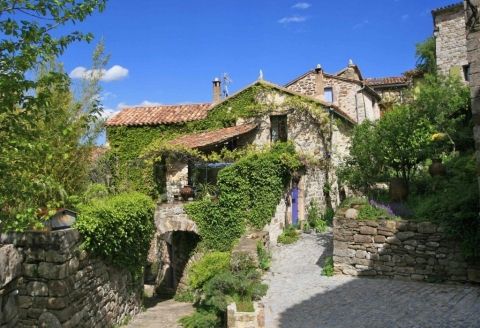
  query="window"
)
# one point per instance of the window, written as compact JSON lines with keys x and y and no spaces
{"x":466,"y":72}
{"x":328,"y":94}
{"x":278,"y":128}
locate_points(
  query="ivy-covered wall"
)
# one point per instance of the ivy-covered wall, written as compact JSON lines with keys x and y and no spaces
{"x":130,"y":143}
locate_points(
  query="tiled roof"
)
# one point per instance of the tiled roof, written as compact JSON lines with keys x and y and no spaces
{"x":453,"y":5}
{"x":154,"y":115}
{"x":203,"y":139}
{"x":373,"y":82}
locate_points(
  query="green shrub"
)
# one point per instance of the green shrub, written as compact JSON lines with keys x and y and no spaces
{"x":186,"y":296}
{"x":315,"y":220}
{"x":94,"y":191}
{"x":369,"y":212}
{"x":249,"y":192}
{"x":118,"y":229}
{"x":201,"y":319}
{"x":264,"y":257}
{"x":288,"y":236}
{"x":207,"y":267}
{"x":327,"y":269}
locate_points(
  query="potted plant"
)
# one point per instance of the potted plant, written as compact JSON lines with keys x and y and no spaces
{"x":187,"y":192}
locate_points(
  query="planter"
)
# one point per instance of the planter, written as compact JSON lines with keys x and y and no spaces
{"x":437,"y":168}
{"x":255,"y":319}
{"x":187,"y":192}
{"x":398,"y":190}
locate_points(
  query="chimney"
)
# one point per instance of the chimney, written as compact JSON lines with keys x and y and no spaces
{"x":217,"y":90}
{"x":319,"y":84}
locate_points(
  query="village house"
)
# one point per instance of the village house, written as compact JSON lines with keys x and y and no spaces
{"x":316,"y":112}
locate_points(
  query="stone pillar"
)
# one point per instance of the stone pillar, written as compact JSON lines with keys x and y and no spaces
{"x":319,"y":83}
{"x":217,"y":91}
{"x":473,"y":53}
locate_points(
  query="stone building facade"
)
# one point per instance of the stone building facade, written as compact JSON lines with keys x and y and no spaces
{"x":451,"y":40}
{"x":47,"y":280}
{"x":346,"y":89}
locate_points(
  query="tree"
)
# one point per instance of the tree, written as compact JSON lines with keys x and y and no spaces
{"x":54,"y":162}
{"x":426,"y":56}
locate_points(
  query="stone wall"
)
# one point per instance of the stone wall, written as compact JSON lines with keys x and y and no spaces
{"x":255,"y":319}
{"x":398,"y":249}
{"x":60,"y":285}
{"x":450,"y":36}
{"x":10,"y":270}
{"x":276,"y":225}
{"x":473,"y":53}
{"x":346,"y":94}
{"x":177,"y":178}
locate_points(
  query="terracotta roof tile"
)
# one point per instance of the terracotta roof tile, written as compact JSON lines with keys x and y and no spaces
{"x":199,"y":140}
{"x":386,"y":80}
{"x":154,"y":115}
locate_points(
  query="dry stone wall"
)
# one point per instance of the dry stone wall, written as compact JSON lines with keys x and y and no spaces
{"x":399,"y":249}
{"x":51,"y":282}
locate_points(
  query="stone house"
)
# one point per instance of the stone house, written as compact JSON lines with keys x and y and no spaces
{"x":316,"y":112}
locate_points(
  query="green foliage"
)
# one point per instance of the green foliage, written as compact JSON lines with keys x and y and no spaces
{"x":315,"y":220}
{"x":264,"y":256}
{"x":288,"y":236}
{"x":249,"y":191}
{"x":452,"y":201}
{"x":201,"y":319}
{"x":94,"y":191}
{"x":426,"y":55}
{"x":54,"y":165}
{"x":445,"y":102}
{"x":118,"y":229}
{"x":327,"y":269}
{"x":369,"y":212}
{"x":207,"y":267}
{"x":185,"y":296}
{"x":41,"y":159}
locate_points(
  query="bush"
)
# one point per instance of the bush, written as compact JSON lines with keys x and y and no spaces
{"x":288,"y":236}
{"x":315,"y":220}
{"x":207,"y":267}
{"x":201,"y":319}
{"x":118,"y":229}
{"x":327,"y":269}
{"x":369,"y":212}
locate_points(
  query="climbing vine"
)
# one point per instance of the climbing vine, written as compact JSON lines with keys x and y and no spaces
{"x":136,"y":148}
{"x":249,"y":191}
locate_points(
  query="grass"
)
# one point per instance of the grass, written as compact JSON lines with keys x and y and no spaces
{"x":327,"y":269}
{"x":288,"y":236}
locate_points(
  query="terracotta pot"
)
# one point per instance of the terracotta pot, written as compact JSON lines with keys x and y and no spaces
{"x":187,"y":192}
{"x":437,"y":168}
{"x":398,"y":189}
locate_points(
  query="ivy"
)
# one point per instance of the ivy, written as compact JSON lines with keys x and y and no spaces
{"x":249,"y":192}
{"x":131,"y":146}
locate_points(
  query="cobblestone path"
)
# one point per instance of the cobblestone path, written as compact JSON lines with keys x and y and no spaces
{"x":163,"y":315}
{"x":299,"y":296}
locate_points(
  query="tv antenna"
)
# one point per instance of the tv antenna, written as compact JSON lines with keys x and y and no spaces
{"x":226,"y":82}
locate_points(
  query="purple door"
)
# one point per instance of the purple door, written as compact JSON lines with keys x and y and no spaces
{"x":294,"y":205}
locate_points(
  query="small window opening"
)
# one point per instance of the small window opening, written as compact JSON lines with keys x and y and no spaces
{"x":328,"y":94}
{"x":466,"y":72}
{"x":278,"y":128}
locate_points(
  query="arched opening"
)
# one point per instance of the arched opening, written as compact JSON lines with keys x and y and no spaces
{"x":180,"y":247}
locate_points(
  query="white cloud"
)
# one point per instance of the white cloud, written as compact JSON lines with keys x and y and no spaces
{"x":362,"y":24}
{"x":301,"y":5}
{"x":145,"y":103}
{"x":116,"y":72}
{"x":292,"y":19}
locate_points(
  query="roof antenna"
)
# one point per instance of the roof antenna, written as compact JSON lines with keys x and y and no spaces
{"x":260,"y":76}
{"x":226,"y":82}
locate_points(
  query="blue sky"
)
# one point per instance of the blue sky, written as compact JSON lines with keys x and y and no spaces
{"x":168,"y":51}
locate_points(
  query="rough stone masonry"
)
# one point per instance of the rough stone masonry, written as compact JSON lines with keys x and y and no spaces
{"x":399,"y":249}
{"x":46,"y":280}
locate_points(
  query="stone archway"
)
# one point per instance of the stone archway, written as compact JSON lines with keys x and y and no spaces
{"x":172,"y":248}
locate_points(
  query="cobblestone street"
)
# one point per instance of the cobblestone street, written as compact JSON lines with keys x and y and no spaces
{"x":163,"y":315}
{"x":299,"y":296}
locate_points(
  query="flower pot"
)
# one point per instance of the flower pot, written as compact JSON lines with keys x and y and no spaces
{"x":398,"y":190}
{"x":437,"y":168}
{"x":187,"y":192}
